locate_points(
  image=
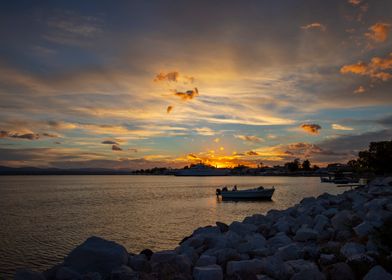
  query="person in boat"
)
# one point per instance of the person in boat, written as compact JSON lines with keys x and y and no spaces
{"x":260,"y":188}
{"x":235,"y":188}
{"x":224,"y":189}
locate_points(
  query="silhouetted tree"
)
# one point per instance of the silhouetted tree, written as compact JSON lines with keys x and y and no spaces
{"x":306,"y":165}
{"x":293,"y":165}
{"x":378,"y":158}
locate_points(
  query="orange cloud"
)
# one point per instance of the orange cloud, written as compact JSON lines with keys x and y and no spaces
{"x":252,"y":153}
{"x":378,"y":32}
{"x":374,"y":69}
{"x":341,"y":127}
{"x":170,"y":77}
{"x":314,"y":25}
{"x":311,"y":128}
{"x":188,"y":95}
{"x":354,"y":2}
{"x":169,"y":109}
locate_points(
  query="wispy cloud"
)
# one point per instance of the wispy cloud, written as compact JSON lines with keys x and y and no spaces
{"x":314,"y":25}
{"x":249,"y":138}
{"x":360,"y":89}
{"x":170,"y":77}
{"x":341,"y":127}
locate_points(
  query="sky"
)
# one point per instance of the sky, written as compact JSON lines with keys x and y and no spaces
{"x":141,"y":84}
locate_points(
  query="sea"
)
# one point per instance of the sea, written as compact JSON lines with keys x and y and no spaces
{"x":42,"y":218}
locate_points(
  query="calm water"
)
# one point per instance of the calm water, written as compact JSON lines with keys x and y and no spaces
{"x":43,"y":217}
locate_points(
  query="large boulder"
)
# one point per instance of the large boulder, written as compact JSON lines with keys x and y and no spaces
{"x":96,"y":255}
{"x":377,"y":273}
{"x":351,"y":248}
{"x":305,"y":234}
{"x":279,"y":240}
{"x":363,"y":229}
{"x":340,"y":271}
{"x":242,"y":229}
{"x":289,"y":252}
{"x":254,"y":266}
{"x":210,"y":272}
{"x":124,"y":273}
{"x":65,"y":273}
{"x":206,"y":260}
{"x":139,"y":262}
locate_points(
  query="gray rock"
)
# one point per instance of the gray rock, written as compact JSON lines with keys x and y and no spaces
{"x":340,"y":271}
{"x":92,"y":276}
{"x":25,"y":274}
{"x":124,"y":273}
{"x":330,"y":212}
{"x":207,"y":231}
{"x":378,"y":273}
{"x":163,"y":256}
{"x":242,"y":229}
{"x":351,"y":248}
{"x":279,"y":240}
{"x":206,"y":260}
{"x":363,"y":229}
{"x":253,"y":242}
{"x":305,"y":234}
{"x":96,"y":255}
{"x":275,"y":267}
{"x":65,"y":273}
{"x":222,"y":226}
{"x":211,"y":272}
{"x":309,"y":274}
{"x":299,"y":265}
{"x":342,"y":220}
{"x":320,"y":222}
{"x":254,"y":266}
{"x":327,"y":259}
{"x":139,"y":262}
{"x":289,"y":252}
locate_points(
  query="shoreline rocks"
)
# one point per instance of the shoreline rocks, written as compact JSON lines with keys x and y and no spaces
{"x":347,"y":236}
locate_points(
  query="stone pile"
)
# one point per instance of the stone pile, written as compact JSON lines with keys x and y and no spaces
{"x":347,"y":236}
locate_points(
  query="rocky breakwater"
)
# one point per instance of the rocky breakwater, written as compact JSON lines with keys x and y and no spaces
{"x":348,"y":236}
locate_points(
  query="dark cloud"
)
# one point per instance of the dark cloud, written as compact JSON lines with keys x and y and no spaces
{"x":50,"y":135}
{"x":28,"y":136}
{"x":188,"y":95}
{"x":109,"y":142}
{"x":252,"y":153}
{"x":311,"y":128}
{"x":132,"y":150}
{"x":116,"y":148}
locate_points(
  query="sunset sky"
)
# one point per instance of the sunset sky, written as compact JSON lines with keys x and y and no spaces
{"x":137,"y":84}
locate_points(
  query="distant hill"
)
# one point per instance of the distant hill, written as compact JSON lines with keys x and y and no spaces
{"x":57,"y":171}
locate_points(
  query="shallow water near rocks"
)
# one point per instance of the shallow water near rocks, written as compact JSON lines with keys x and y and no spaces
{"x":43,"y":218}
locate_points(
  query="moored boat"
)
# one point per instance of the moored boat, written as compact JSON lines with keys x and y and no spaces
{"x":259,"y":193}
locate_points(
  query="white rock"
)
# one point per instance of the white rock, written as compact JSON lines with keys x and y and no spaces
{"x":205,"y":260}
{"x":378,"y":273}
{"x":305,"y":234}
{"x":211,"y":272}
{"x":363,"y":229}
{"x":254,"y":266}
{"x":351,"y":248}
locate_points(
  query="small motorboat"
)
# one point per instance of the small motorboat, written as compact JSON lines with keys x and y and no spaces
{"x":259,"y":193}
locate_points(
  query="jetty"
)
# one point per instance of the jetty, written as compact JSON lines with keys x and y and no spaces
{"x":345,"y":236}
